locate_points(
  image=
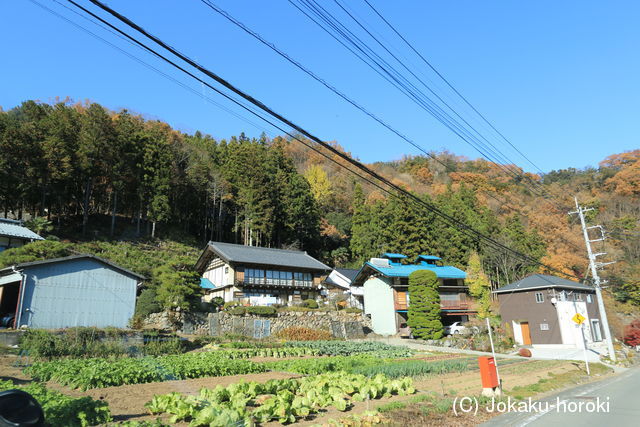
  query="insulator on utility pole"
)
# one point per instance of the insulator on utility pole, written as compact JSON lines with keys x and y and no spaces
{"x":594,"y":266}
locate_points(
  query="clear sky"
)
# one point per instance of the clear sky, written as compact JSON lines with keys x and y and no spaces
{"x":561,"y":79}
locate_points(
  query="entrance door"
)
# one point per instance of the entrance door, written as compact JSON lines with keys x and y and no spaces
{"x":526,"y":334}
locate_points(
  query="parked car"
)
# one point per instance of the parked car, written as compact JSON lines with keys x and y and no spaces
{"x":455,"y":329}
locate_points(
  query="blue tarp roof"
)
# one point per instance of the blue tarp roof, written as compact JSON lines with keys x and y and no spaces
{"x":443,"y":272}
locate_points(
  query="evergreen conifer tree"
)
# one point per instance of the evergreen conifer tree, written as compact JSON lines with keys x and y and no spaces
{"x":424,"y":305}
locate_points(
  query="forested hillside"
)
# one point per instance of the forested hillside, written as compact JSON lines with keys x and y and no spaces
{"x":78,"y":164}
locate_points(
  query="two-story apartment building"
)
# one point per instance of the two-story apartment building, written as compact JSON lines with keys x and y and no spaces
{"x":385,"y":283}
{"x":259,"y":276}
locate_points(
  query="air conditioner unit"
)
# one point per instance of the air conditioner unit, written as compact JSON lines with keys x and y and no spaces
{"x":379,"y":262}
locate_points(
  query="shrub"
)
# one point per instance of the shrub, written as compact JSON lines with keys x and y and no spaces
{"x":424,"y":308}
{"x":147,"y":303}
{"x":237,"y":310}
{"x":161,"y":345}
{"x":309,"y":303}
{"x":261,"y":310}
{"x":352,"y":310}
{"x":231,"y":304}
{"x":75,"y":342}
{"x":303,"y":334}
{"x":632,"y":333}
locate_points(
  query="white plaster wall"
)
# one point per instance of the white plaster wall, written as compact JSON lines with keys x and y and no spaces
{"x":378,"y":302}
{"x":570,"y":331}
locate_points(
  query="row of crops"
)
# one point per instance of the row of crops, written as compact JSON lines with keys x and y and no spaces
{"x":284,"y":401}
{"x":104,"y":372}
{"x":99,"y":372}
{"x":369,"y":365}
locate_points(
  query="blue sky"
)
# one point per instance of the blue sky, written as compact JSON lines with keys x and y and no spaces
{"x":559,"y":79}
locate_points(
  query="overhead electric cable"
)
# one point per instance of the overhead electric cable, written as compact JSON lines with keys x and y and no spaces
{"x":329,"y":86}
{"x":448,"y":83}
{"x":331,"y":21}
{"x":411,"y":197}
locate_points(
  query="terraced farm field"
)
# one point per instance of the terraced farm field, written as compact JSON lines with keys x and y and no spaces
{"x":282,"y":383}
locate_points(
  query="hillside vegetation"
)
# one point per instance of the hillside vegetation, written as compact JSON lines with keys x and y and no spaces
{"x":97,"y":172}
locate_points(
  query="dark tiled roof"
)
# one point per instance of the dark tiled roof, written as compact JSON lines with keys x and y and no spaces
{"x":242,"y":254}
{"x":349,"y":273}
{"x":538,"y":281}
{"x":74,"y":257}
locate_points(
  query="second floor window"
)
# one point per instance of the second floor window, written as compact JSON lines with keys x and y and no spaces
{"x":303,"y":278}
{"x":253,"y":275}
{"x":539,"y":297}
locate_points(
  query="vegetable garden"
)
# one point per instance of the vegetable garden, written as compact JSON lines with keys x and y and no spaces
{"x":337,"y":374}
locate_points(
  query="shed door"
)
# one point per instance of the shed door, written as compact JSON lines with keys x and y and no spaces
{"x":526,"y":333}
{"x":261,"y":328}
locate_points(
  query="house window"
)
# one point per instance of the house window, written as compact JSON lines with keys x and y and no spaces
{"x":589,"y":298}
{"x":303,"y":279}
{"x":578,"y":297}
{"x":595,"y":330}
{"x":539,"y":297}
{"x":544,"y":326}
{"x":254,"y":276}
{"x":562,"y":296}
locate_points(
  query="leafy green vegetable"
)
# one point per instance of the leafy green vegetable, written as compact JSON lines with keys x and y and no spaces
{"x":62,"y":410}
{"x":284,"y":401}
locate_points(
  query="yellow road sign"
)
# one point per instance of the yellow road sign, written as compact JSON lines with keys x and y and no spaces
{"x":578,"y":318}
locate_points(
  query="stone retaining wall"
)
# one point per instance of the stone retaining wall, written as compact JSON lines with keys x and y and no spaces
{"x":339,"y":323}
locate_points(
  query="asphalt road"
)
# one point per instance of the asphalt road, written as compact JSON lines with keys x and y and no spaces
{"x":612,"y":402}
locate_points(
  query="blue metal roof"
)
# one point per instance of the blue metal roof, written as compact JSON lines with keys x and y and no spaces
{"x":392,"y":255}
{"x":11,"y":228}
{"x":442,"y":272}
{"x":428,"y":258}
{"x":206,"y":283}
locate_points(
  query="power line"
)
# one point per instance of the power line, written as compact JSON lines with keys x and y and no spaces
{"x":411,"y":197}
{"x":329,"y":86}
{"x":414,"y":93}
{"x":449,"y":84}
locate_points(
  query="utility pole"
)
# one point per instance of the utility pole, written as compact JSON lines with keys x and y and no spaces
{"x":594,"y":265}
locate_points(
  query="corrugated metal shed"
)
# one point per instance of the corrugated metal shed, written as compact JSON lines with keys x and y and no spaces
{"x":12,"y":228}
{"x":75,"y":291}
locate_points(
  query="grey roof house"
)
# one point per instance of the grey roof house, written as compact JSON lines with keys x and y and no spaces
{"x":539,"y":310}
{"x":79,"y":290}
{"x":259,"y":276}
{"x":14,"y":234}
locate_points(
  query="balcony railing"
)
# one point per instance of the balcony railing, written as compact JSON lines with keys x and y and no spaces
{"x":444,"y":305}
{"x":275,"y":282}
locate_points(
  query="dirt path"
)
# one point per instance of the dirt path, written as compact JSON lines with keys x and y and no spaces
{"x":10,"y":372}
